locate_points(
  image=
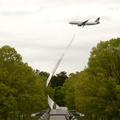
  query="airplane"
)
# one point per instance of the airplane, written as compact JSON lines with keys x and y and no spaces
{"x":85,"y":22}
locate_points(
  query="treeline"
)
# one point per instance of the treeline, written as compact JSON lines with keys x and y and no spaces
{"x":95,"y":91}
{"x":22,"y":92}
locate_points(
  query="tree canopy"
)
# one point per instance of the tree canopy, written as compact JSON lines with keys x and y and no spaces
{"x":95,"y":91}
{"x":22,"y":92}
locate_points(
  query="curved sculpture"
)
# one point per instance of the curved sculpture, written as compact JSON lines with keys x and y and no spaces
{"x":51,"y":103}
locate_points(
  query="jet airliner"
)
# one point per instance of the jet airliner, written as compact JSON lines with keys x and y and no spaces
{"x":85,"y":22}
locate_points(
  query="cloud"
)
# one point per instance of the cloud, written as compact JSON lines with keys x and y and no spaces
{"x":40,"y":32}
{"x":19,"y":11}
{"x":15,"y":13}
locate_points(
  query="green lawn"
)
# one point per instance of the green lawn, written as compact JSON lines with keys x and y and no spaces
{"x":33,"y":118}
{"x":80,"y":118}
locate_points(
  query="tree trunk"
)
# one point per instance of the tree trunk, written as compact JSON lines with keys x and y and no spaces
{"x":96,"y":118}
{"x":18,"y":117}
{"x":23,"y":116}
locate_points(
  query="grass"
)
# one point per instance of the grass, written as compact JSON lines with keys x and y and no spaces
{"x":80,"y":118}
{"x":33,"y":118}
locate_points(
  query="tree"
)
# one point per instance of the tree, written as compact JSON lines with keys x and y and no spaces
{"x":103,"y":77}
{"x":23,"y":92}
{"x":59,"y":96}
{"x":54,"y":89}
{"x":59,"y":79}
{"x":96,"y":96}
{"x":68,"y":90}
{"x":45,"y":74}
{"x":95,"y":90}
{"x":8,"y":59}
{"x":8,"y":104}
{"x":105,"y":59}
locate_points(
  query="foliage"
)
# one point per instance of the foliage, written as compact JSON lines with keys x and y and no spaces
{"x":59,"y":79}
{"x":45,"y":74}
{"x":22,"y":92}
{"x":95,"y":91}
{"x":59,"y":96}
{"x":105,"y":58}
{"x":68,"y":90}
{"x":97,"y":96}
{"x":54,"y":88}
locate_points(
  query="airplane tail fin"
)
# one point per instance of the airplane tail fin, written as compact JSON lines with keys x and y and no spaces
{"x":97,"y":20}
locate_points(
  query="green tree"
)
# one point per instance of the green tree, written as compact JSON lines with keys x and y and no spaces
{"x":23,"y":92}
{"x":95,"y":90}
{"x":102,"y":79}
{"x":68,"y":90}
{"x":8,"y":59}
{"x":97,"y":96}
{"x":105,"y":59}
{"x":59,"y":96}
{"x":8,"y":104}
{"x":45,"y":74}
{"x":59,"y":79}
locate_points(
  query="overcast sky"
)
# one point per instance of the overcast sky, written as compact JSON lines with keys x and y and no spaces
{"x":39,"y":30}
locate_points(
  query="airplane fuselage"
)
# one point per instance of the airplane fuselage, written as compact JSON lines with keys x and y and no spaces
{"x":85,"y":22}
{"x":80,"y":23}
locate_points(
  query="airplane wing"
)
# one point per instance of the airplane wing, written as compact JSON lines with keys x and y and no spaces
{"x":83,"y":23}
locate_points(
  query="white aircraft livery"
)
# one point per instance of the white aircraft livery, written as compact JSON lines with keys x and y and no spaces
{"x":85,"y":22}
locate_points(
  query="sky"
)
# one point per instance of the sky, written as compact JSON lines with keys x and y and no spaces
{"x":39,"y":30}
